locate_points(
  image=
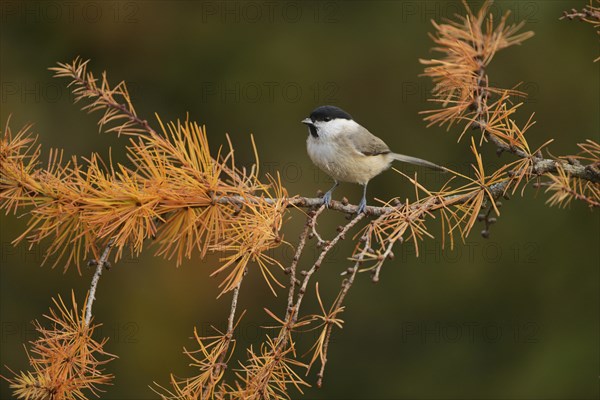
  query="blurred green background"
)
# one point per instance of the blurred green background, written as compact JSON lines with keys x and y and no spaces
{"x":514,"y":316}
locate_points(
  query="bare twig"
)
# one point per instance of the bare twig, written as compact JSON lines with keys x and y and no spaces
{"x":293,"y":312}
{"x":317,"y":264}
{"x":220,"y":364}
{"x":234,"y":301}
{"x":100,"y":264}
{"x":292,"y":268}
{"x":313,"y":224}
{"x":386,"y":254}
{"x":346,"y":285}
{"x":589,"y":14}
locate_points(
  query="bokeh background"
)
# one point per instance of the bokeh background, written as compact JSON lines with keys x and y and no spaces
{"x":514,"y":316}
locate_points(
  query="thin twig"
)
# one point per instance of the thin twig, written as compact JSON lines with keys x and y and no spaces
{"x":346,"y":285}
{"x":317,"y":264}
{"x":293,"y":312}
{"x":114,"y":105}
{"x":99,"y":267}
{"x":313,"y":225}
{"x":234,"y":301}
{"x":386,"y":254}
{"x":589,"y":14}
{"x":220,"y":364}
{"x":292,"y":268}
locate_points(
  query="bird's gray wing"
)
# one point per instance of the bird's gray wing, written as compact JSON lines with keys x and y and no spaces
{"x":366,"y":143}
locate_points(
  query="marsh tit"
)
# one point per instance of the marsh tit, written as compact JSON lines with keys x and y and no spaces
{"x":348,"y":152}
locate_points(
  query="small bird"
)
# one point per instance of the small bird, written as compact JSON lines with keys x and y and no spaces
{"x":348,"y":152}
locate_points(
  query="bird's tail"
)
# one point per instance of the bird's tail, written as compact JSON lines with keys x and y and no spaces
{"x":417,"y":161}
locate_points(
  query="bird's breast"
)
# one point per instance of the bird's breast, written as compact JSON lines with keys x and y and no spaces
{"x":343,"y":163}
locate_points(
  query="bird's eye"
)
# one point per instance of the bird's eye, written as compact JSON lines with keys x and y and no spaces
{"x":327,"y":119}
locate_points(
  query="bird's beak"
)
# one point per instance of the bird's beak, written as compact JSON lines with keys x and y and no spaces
{"x":307,"y":121}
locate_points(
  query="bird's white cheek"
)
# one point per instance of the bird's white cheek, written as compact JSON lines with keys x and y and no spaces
{"x":335,"y":128}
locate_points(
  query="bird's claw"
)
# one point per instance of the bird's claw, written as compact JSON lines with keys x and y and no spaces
{"x":362,"y":206}
{"x":327,"y":199}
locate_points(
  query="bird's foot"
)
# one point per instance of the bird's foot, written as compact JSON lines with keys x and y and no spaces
{"x":327,"y":199}
{"x":362,"y":206}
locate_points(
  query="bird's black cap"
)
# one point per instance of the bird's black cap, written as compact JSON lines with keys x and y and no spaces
{"x":326,"y":113}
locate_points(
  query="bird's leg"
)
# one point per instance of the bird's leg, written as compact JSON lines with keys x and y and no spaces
{"x":362,"y":206}
{"x":327,"y":196}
